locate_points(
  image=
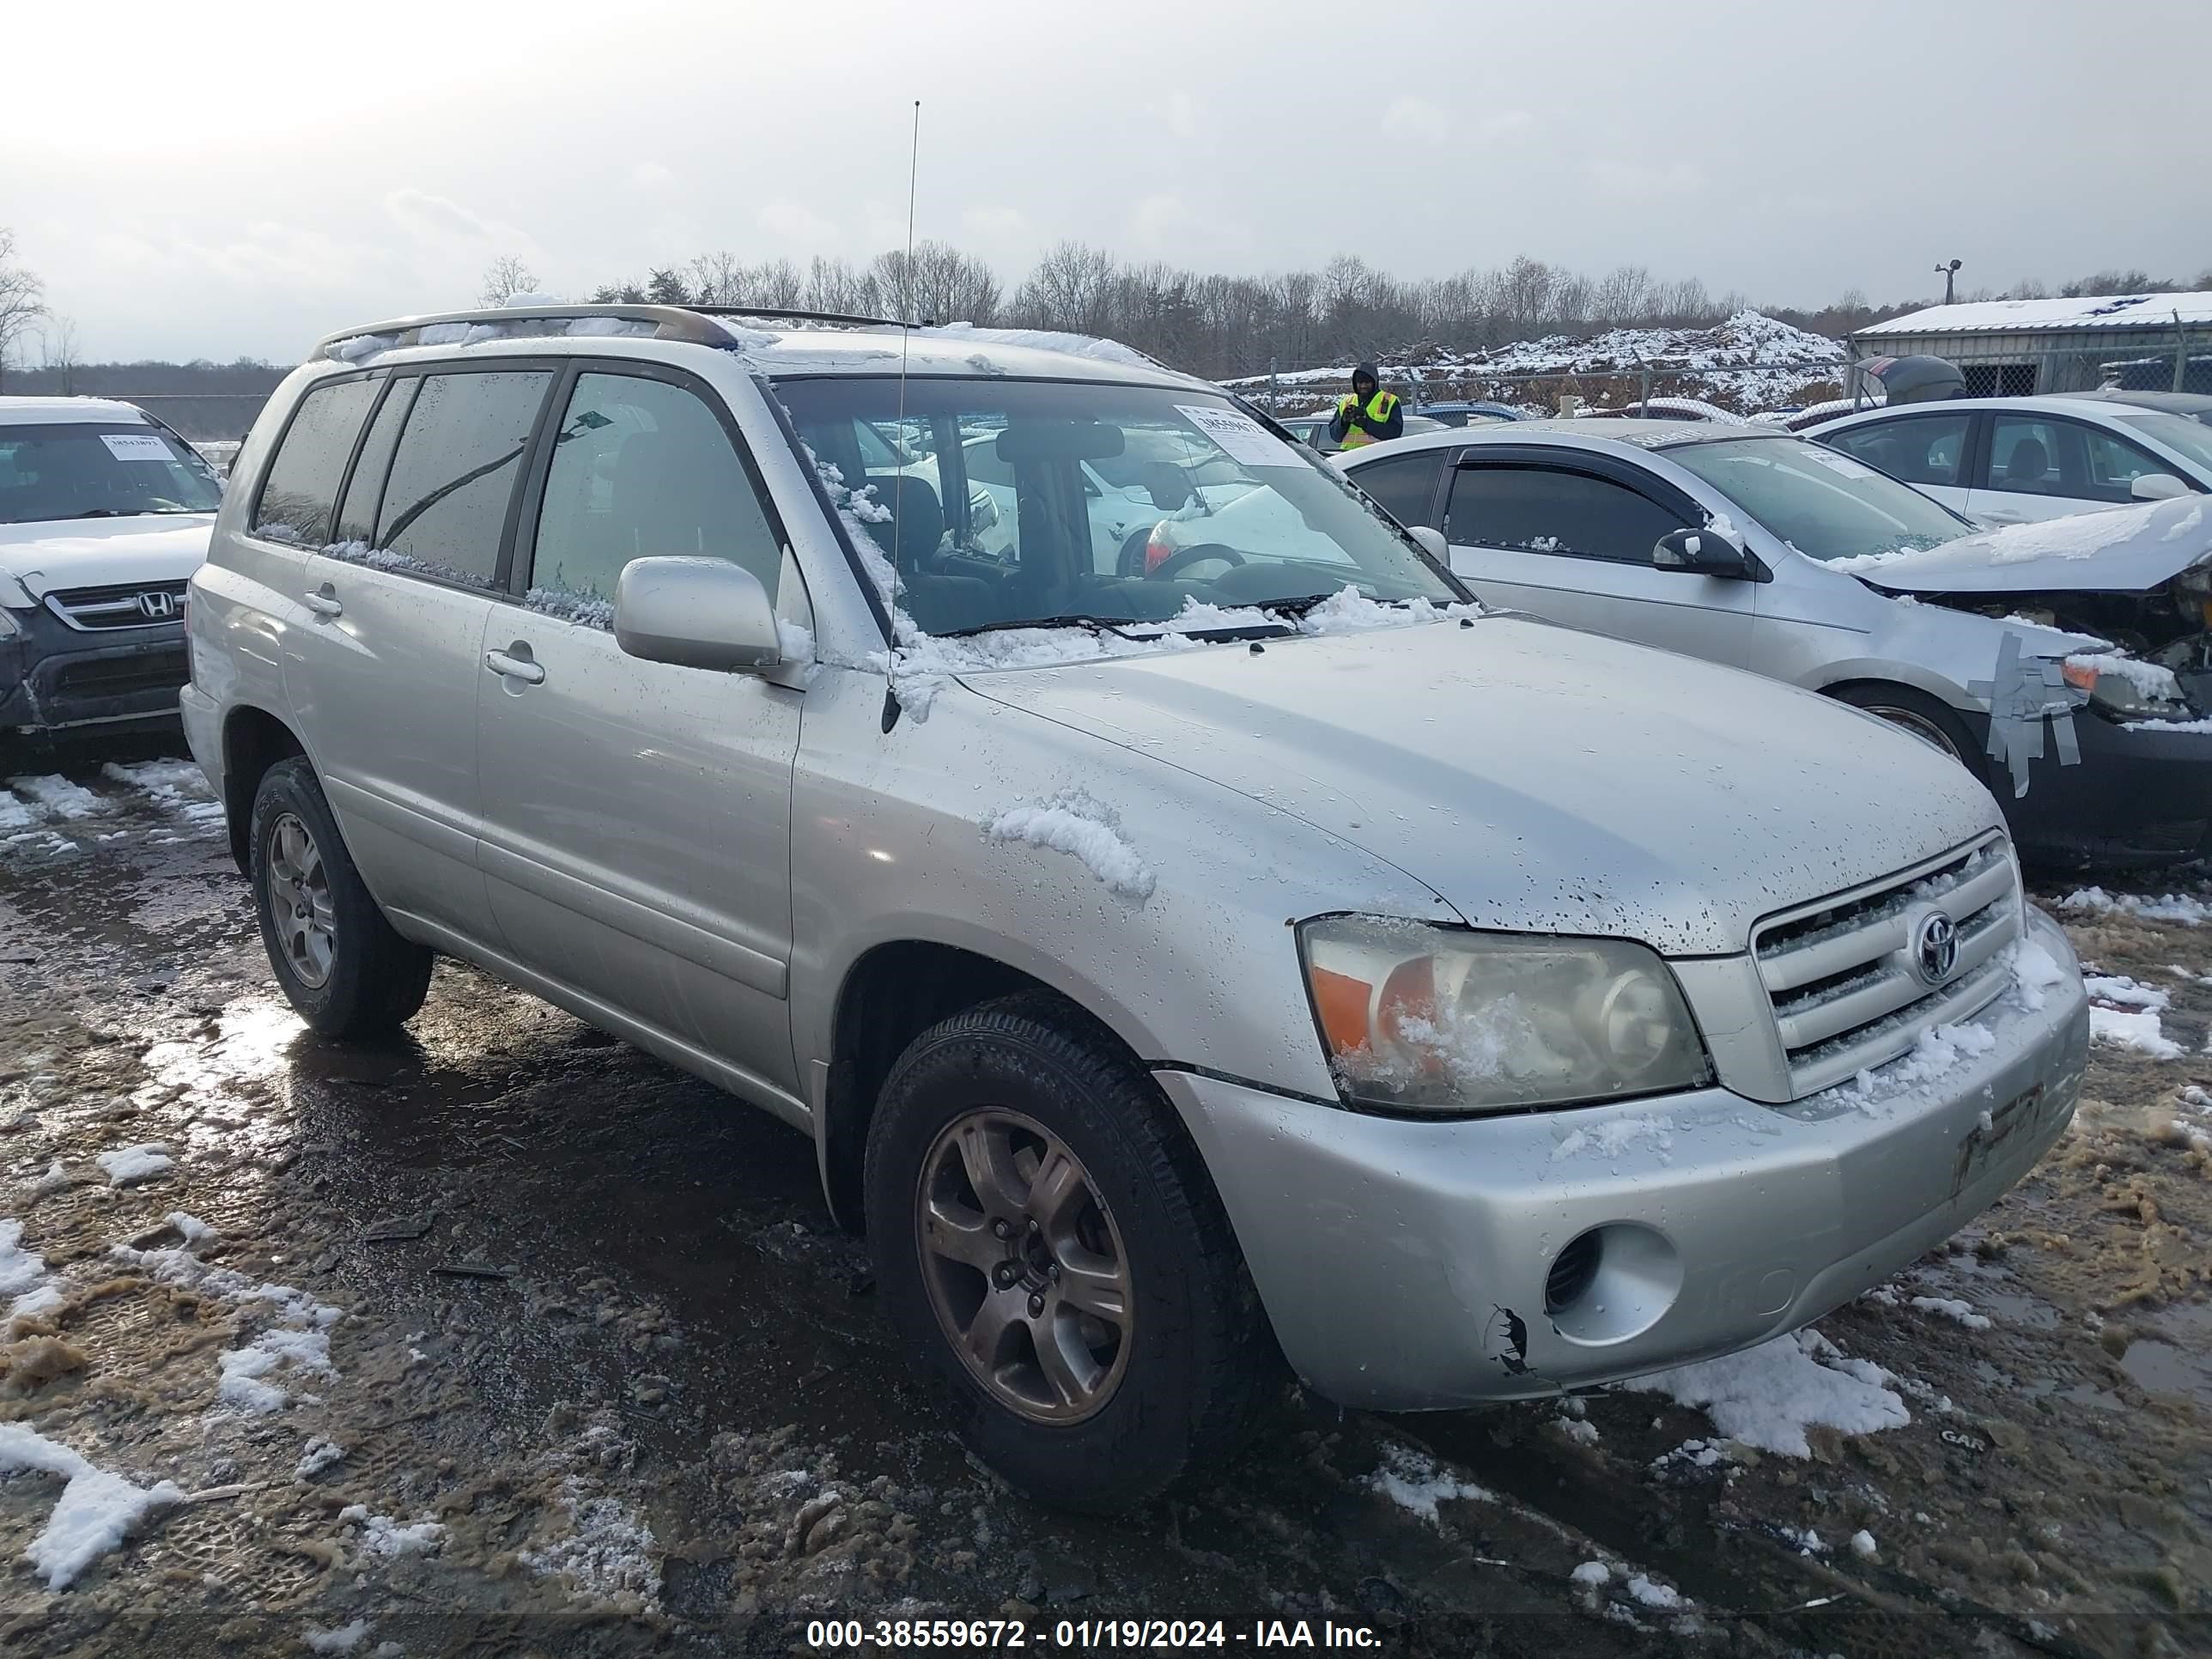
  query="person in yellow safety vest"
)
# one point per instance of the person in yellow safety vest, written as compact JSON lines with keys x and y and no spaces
{"x":1370,"y":415}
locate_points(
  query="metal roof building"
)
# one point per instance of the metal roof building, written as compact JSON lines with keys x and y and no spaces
{"x":2020,"y":347}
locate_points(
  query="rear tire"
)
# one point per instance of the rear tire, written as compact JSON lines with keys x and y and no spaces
{"x":339,"y":962}
{"x":1934,"y":723}
{"x":1080,"y":1409}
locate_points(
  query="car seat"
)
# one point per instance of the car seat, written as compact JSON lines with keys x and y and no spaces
{"x":2028,"y":466}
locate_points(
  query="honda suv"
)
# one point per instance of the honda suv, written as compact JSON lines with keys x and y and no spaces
{"x":1264,"y":956}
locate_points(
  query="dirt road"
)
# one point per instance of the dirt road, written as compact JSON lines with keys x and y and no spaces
{"x":509,"y":1340}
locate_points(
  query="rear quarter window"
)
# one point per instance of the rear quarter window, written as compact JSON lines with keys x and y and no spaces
{"x":299,"y":492}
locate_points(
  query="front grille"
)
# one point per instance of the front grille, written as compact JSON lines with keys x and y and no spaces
{"x":118,"y":677}
{"x":135,"y":605}
{"x":1845,"y":976}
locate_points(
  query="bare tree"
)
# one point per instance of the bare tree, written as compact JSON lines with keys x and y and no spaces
{"x":503,"y":279}
{"x":58,"y":351}
{"x":1068,"y":289}
{"x":21,"y":304}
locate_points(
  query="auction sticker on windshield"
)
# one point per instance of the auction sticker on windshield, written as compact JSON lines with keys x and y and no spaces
{"x":131,"y":446}
{"x":1243,"y":438}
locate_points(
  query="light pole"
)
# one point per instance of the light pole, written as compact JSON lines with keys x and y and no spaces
{"x":1950,"y":274}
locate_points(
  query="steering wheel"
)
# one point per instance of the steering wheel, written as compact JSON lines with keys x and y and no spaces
{"x":1204,"y":550}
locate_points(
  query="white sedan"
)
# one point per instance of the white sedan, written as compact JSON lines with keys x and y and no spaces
{"x":2010,"y":460}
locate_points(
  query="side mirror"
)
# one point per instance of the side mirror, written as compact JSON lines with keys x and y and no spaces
{"x":2157,"y":487}
{"x":696,"y":613}
{"x":1703,"y":553}
{"x":1433,"y":543}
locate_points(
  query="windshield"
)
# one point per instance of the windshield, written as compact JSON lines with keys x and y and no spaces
{"x":1822,"y":503}
{"x":2176,"y":432}
{"x":96,"y":469}
{"x":1037,"y":502}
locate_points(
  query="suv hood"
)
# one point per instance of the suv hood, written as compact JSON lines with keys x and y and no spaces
{"x":2120,"y":550}
{"x":1536,"y":778}
{"x":104,"y":552}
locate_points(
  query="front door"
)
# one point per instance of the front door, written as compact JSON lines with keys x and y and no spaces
{"x":1571,"y":546}
{"x":383,"y":674}
{"x":637,"y":816}
{"x":2044,"y":466}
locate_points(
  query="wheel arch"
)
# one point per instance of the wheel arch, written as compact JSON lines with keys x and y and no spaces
{"x":891,"y":993}
{"x":253,"y":740}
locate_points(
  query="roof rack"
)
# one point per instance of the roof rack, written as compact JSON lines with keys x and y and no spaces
{"x":691,"y":324}
{"x":776,"y":313}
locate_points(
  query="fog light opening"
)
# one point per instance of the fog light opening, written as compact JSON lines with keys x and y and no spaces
{"x":1612,"y":1283}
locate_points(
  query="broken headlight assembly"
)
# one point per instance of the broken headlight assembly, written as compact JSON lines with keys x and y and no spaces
{"x":2128,"y":689}
{"x":1421,"y":1019}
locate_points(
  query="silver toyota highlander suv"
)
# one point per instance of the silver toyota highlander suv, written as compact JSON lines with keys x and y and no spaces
{"x":1265,"y":953}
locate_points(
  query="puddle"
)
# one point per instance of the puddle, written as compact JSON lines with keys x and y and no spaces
{"x":2177,"y":1358}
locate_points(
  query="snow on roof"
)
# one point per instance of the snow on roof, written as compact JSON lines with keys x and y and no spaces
{"x":46,"y":410}
{"x":2006,"y":316}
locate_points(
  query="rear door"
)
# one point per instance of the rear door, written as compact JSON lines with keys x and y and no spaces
{"x":637,"y":815}
{"x":2047,"y":467}
{"x":384,"y":676}
{"x":1929,"y":452}
{"x":1571,"y":540}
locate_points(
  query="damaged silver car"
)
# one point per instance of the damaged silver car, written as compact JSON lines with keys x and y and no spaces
{"x":2064,"y":664}
{"x":1260,"y":956}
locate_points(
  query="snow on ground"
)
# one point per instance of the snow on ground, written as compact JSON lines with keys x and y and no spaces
{"x":96,"y":1512}
{"x":1862,"y":1545}
{"x":2183,"y":908}
{"x":1072,"y":823}
{"x":610,"y":1550}
{"x":1952,"y":1308}
{"x":127,"y":1165}
{"x":246,"y":1370}
{"x":58,"y":797}
{"x":20,"y":1269}
{"x":318,"y":1455}
{"x":382,"y":1536}
{"x":1768,"y":1397}
{"x":345,"y":1639}
{"x":2125,"y":1011}
{"x":1414,"y":1480}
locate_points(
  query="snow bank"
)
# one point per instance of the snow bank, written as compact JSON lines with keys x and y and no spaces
{"x":1414,"y":1480}
{"x":1072,"y":823}
{"x":131,"y":1164}
{"x":2183,"y":907}
{"x":1769,"y":1396}
{"x":96,"y":1512}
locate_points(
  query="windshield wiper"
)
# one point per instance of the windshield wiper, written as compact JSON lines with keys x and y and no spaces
{"x":99,"y":513}
{"x":1094,"y":624}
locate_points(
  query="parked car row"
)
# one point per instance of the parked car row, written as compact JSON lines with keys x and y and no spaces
{"x":1751,"y":547}
{"x":1187,"y":965}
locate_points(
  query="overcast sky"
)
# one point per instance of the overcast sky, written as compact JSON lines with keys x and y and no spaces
{"x":239,"y":178}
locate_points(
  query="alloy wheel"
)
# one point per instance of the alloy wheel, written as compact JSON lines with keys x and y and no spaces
{"x":299,"y":900}
{"x":1026,"y":1269}
{"x":1922,"y":727}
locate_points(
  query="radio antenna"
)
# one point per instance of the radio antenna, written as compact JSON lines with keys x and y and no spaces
{"x":906,"y":331}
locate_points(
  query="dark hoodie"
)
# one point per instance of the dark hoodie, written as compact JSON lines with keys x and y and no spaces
{"x":1391,"y":426}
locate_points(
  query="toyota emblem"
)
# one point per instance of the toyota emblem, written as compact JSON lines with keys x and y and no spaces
{"x":1935,"y":947}
{"x":156,"y":606}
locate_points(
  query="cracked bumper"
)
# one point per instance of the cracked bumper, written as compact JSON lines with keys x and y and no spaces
{"x":1404,"y":1264}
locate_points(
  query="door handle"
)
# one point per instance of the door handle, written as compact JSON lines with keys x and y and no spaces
{"x":515,"y":668}
{"x":324,"y":602}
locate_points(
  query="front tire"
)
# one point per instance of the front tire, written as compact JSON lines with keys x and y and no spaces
{"x":339,"y":962}
{"x":1915,"y":712}
{"x":1057,"y":1261}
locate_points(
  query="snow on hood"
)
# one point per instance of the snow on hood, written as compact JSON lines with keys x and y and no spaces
{"x":100,"y":552}
{"x":2122,"y":550}
{"x":1500,"y":764}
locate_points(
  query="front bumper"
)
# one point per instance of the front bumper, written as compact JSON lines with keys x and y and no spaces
{"x":2140,"y":793}
{"x":1404,"y":1264}
{"x":53,"y":677}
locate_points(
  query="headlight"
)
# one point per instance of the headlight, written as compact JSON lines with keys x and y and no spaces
{"x":1423,"y":1018}
{"x":2126,"y":688}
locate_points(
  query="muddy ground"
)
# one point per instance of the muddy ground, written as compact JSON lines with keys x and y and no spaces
{"x":507,"y":1338}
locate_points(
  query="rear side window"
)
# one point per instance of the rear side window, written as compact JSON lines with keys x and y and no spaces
{"x":1920,"y":449}
{"x":1406,"y":485}
{"x":299,"y":493}
{"x":357,"y":518}
{"x":454,"y":473}
{"x":642,"y":469}
{"x":1549,"y":511}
